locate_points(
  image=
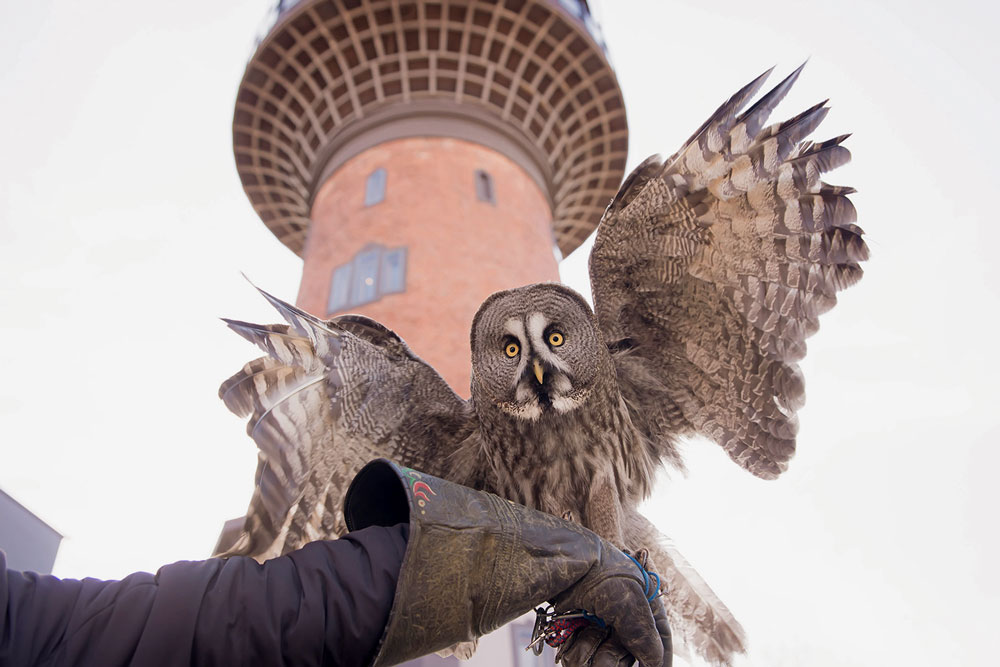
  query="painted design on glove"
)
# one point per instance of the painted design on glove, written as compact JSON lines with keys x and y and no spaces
{"x":418,"y":488}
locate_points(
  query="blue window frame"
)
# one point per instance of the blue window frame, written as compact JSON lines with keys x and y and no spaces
{"x":340,"y":289}
{"x":375,"y":187}
{"x":484,"y":187}
{"x":392,"y":275}
{"x":363,"y":287}
{"x":371,"y":274}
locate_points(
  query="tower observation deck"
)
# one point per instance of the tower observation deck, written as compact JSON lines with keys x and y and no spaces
{"x":421,"y":155}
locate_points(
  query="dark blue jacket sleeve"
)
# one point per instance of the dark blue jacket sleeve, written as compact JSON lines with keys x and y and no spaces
{"x":325,"y":604}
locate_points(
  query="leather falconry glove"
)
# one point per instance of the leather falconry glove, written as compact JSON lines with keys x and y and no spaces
{"x":596,"y":645}
{"x":474,"y":562}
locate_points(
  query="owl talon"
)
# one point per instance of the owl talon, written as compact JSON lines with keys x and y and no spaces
{"x":568,"y":516}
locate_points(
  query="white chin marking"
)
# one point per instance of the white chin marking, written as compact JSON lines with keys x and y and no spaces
{"x":529,"y":411}
{"x":566,"y":403}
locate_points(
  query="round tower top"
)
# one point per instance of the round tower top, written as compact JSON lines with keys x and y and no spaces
{"x":529,"y":78}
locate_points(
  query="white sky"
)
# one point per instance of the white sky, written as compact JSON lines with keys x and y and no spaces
{"x":123,"y":231}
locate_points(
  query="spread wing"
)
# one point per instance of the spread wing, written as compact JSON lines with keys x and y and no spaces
{"x":329,"y":397}
{"x":710,"y":270}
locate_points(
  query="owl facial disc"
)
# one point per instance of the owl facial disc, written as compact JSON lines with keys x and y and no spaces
{"x":544,"y":381}
{"x":536,"y":351}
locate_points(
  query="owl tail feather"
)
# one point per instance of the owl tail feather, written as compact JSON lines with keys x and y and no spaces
{"x":700,"y":622}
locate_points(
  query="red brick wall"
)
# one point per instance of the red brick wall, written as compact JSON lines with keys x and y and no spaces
{"x":460,"y":250}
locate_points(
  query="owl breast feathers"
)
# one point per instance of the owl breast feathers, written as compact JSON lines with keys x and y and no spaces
{"x":709,"y":271}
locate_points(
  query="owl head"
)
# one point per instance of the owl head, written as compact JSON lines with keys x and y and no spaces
{"x":535,"y":349}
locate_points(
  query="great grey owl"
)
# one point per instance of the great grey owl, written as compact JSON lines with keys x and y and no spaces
{"x":709,"y":270}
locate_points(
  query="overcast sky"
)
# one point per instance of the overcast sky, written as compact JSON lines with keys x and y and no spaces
{"x":124,"y":229}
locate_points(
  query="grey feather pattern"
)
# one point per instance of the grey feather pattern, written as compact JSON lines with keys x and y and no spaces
{"x":717,"y":270}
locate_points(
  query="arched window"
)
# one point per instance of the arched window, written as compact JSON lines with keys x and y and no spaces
{"x":375,"y":187}
{"x":371,"y":274}
{"x":484,"y":187}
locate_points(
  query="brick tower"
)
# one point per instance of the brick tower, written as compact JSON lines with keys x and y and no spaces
{"x":421,"y":155}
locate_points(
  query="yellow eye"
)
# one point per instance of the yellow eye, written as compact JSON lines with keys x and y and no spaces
{"x":512,"y":349}
{"x":556,"y":339}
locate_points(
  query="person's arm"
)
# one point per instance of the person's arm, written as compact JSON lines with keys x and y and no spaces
{"x":428,"y":563}
{"x":326,"y":603}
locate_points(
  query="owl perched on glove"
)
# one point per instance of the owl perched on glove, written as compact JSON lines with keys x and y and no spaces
{"x":709,"y":270}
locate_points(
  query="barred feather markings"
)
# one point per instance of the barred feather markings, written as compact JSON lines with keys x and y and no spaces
{"x":326,"y":400}
{"x":755,"y":246}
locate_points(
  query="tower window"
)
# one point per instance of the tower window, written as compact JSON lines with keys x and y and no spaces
{"x":371,"y":274}
{"x":340,"y":289}
{"x":484,"y":187}
{"x":375,"y":187}
{"x":392,"y":273}
{"x":363,"y":286}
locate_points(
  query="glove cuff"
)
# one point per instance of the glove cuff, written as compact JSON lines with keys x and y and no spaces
{"x":473,"y":561}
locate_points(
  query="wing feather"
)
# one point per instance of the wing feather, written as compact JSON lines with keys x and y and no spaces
{"x":329,"y":397}
{"x":716,"y":265}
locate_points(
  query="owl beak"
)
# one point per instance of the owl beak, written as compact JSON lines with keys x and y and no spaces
{"x":539,"y":372}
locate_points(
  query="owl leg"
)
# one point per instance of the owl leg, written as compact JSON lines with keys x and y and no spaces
{"x":603,"y":512}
